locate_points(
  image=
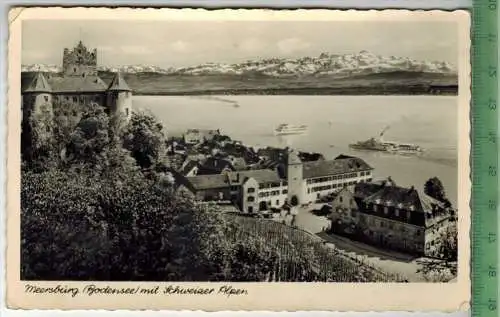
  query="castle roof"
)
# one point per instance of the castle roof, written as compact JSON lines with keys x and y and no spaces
{"x":201,"y":182}
{"x":390,"y":194}
{"x":334,"y":167}
{"x":214,"y":165}
{"x":38,"y":84}
{"x":70,"y":84}
{"x":118,"y":84}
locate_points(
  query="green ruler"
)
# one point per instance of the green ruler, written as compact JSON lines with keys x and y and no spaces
{"x":485,"y":112}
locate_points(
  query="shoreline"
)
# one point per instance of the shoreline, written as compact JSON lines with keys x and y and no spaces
{"x":289,"y":92}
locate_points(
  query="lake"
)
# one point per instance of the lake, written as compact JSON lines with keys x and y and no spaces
{"x":334,"y":122}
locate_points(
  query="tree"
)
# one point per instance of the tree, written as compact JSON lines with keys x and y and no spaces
{"x":76,"y":225}
{"x":444,"y":266}
{"x":67,"y":115}
{"x":448,"y":243}
{"x":36,"y":134}
{"x":93,"y":215}
{"x":434,"y":188}
{"x":144,"y":138}
{"x":90,"y":137}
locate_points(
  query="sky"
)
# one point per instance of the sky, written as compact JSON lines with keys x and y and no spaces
{"x":188,"y":43}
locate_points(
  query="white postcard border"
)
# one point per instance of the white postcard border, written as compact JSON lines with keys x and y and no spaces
{"x":261,"y":296}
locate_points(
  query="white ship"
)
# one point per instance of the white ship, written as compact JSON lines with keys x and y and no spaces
{"x":289,"y":129}
{"x":379,"y":144}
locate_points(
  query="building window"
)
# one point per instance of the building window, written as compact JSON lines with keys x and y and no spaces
{"x":75,"y":99}
{"x":74,"y":69}
{"x":418,"y":232}
{"x":396,"y":212}
{"x":277,"y":202}
{"x":262,"y":206}
{"x":251,"y":190}
{"x":46,"y":98}
{"x":250,"y":209}
{"x":251,"y":199}
{"x":340,"y":199}
{"x":126,"y":112}
{"x":386,"y":210}
{"x":284,"y":191}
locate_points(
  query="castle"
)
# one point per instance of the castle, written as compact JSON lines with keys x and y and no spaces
{"x":78,"y":83}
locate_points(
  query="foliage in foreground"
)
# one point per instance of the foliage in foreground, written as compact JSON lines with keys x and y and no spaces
{"x":95,"y":207}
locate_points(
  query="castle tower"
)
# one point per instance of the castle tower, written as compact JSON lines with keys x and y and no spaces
{"x":80,"y":61}
{"x":295,"y":179}
{"x":37,"y":97}
{"x":119,"y":98}
{"x":37,"y":115}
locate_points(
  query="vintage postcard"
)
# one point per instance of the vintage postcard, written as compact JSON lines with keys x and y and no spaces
{"x":238,"y":159}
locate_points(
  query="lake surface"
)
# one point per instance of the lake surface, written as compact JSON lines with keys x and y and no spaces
{"x":334,"y":122}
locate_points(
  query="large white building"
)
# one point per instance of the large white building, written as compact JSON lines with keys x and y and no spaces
{"x":261,"y":190}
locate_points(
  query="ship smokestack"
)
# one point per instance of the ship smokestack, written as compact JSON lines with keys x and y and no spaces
{"x":384,"y":131}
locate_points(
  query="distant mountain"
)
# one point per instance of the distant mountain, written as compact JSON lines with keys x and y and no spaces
{"x":326,"y":64}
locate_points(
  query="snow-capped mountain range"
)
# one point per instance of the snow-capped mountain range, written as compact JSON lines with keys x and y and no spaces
{"x":361,"y":63}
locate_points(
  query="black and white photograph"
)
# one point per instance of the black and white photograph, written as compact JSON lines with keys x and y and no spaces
{"x":228,"y":151}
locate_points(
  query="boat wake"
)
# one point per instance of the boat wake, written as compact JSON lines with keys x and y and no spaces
{"x":230,"y":102}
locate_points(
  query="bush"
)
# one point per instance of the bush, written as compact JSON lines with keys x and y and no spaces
{"x":78,"y":226}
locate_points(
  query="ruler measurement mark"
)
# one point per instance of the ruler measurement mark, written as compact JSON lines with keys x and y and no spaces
{"x":485,"y":169}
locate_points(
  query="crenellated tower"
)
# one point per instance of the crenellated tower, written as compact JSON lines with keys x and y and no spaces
{"x":80,"y":61}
